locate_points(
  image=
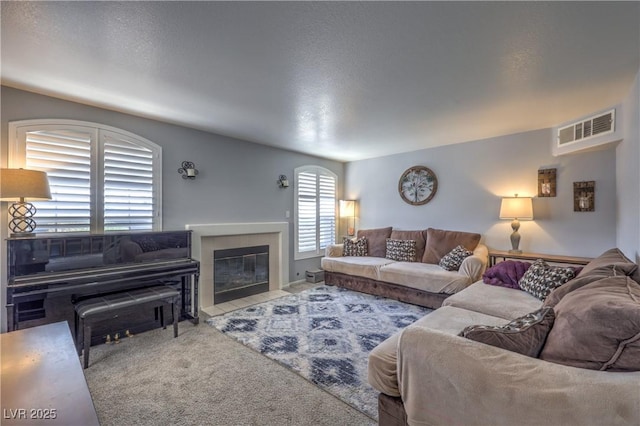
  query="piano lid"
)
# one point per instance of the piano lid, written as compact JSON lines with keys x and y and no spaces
{"x":57,"y":253}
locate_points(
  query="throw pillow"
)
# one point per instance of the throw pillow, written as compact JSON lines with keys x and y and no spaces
{"x":147,"y":244}
{"x":452,"y":260}
{"x":376,"y":240}
{"x":525,"y":335}
{"x":506,"y":274}
{"x":440,"y":242}
{"x":418,"y":236}
{"x":541,"y":278}
{"x":597,"y":327}
{"x":401,"y":250}
{"x":355,"y":247}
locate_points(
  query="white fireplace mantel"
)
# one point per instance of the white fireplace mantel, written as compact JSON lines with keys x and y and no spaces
{"x":213,"y":230}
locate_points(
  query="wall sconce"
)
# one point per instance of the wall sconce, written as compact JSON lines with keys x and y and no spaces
{"x":18,"y":184}
{"x":516,"y":208}
{"x":348,"y":210}
{"x":283,"y":182}
{"x":188,"y":170}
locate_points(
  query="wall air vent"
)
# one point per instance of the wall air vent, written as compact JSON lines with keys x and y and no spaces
{"x":592,"y":132}
{"x":593,"y":126}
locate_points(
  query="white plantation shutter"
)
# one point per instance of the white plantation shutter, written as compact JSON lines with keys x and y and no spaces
{"x":101,"y":178}
{"x":128,"y":185}
{"x":315,"y":210}
{"x":307,"y":208}
{"x":327,"y":210}
{"x":66,"y":157}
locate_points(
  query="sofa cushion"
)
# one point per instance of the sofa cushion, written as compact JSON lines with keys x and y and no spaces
{"x":376,"y":240}
{"x":401,"y":250}
{"x":598,"y":327}
{"x":580,"y":281}
{"x":501,"y":302}
{"x":609,"y":264}
{"x":440,"y":242}
{"x":541,"y":278}
{"x":424,"y":276}
{"x":382,"y":365}
{"x":418,"y":236}
{"x":354,"y":247}
{"x":611,"y":257}
{"x":525,"y":335}
{"x":365,"y":266}
{"x":506,"y":274}
{"x":452,"y":260}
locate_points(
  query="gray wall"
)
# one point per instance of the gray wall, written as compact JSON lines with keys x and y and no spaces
{"x":471,"y":179}
{"x":628,"y":176}
{"x":237,"y":180}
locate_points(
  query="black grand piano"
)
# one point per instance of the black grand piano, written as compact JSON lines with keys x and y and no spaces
{"x":48,"y":274}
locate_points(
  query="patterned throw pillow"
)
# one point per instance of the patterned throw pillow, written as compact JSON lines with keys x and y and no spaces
{"x":541,"y":278}
{"x":525,"y":335}
{"x":147,"y":244}
{"x":401,"y":250}
{"x":452,"y":260}
{"x":355,"y":247}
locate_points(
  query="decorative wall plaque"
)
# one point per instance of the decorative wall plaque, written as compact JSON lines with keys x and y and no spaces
{"x":584,"y":196}
{"x":418,"y":185}
{"x":547,"y":183}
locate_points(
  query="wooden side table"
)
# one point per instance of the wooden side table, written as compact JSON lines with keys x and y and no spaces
{"x":494,"y":255}
{"x":42,"y":380}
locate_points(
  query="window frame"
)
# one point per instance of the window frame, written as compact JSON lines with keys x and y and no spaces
{"x":98,"y":132}
{"x":319,"y":249}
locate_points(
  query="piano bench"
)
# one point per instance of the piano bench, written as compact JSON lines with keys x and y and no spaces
{"x":104,"y":308}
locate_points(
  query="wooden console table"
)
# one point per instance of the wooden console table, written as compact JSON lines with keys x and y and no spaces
{"x":42,"y":380}
{"x":494,"y":255}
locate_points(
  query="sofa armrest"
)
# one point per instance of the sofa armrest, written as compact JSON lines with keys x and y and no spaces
{"x":447,"y":379}
{"x":475,"y":265}
{"x":334,"y":250}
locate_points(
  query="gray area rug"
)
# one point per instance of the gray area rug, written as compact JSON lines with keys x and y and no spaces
{"x":203,"y":377}
{"x":324,"y":334}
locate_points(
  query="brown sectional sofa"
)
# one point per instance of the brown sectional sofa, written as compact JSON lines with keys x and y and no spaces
{"x":429,"y":375}
{"x":421,"y":282}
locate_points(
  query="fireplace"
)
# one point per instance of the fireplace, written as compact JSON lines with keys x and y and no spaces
{"x":240,"y":272}
{"x":210,"y":237}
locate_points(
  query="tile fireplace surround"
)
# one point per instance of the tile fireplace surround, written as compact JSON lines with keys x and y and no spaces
{"x":216,"y":236}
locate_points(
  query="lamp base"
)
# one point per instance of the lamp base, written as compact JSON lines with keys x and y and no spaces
{"x":22,"y":234}
{"x":515,"y":237}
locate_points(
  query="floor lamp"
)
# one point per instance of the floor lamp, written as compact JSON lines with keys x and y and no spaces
{"x":348,"y":210}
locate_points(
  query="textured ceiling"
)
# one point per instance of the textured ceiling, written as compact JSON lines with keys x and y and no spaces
{"x":346,"y":81}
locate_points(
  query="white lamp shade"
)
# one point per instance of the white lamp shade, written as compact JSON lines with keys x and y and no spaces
{"x":347,"y":208}
{"x":22,"y":183}
{"x":520,"y":208}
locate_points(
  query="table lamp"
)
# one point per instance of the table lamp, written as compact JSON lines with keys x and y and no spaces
{"x":18,"y":184}
{"x":516,"y":208}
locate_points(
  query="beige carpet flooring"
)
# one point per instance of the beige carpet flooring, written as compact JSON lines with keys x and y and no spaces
{"x":203,"y":377}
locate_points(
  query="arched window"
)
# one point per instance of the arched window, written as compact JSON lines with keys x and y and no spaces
{"x":315,"y":221}
{"x":101,"y":178}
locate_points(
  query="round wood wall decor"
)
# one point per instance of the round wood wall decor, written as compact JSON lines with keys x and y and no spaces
{"x":418,"y":185}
